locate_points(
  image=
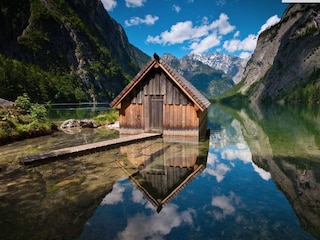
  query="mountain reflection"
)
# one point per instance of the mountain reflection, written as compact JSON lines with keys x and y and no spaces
{"x":286,"y":142}
{"x":226,"y":146}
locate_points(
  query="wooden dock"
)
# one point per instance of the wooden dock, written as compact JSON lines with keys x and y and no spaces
{"x":85,"y":149}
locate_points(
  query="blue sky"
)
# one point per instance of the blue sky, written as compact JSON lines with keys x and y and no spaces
{"x":181,"y":27}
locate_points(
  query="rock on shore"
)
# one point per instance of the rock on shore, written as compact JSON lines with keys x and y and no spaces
{"x":73,"y":123}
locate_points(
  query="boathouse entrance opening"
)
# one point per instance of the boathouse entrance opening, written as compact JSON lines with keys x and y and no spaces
{"x":154,"y":113}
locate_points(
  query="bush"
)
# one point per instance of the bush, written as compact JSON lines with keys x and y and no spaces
{"x":39,"y":113}
{"x":23,"y":102}
{"x":23,"y":120}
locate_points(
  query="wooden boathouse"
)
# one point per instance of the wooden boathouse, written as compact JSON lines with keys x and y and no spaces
{"x":159,"y":100}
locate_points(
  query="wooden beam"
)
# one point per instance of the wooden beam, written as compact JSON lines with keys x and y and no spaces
{"x":85,"y":149}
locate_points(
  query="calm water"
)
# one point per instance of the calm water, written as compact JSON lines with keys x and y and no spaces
{"x":64,"y":111}
{"x":257,"y":177}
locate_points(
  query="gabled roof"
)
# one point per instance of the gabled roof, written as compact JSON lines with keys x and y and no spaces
{"x":148,"y":190}
{"x":198,"y":99}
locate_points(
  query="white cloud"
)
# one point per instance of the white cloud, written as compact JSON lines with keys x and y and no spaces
{"x":115,"y":196}
{"x":245,"y":55}
{"x":270,"y":22}
{"x":180,"y":32}
{"x":176,"y":8}
{"x":137,"y":197}
{"x":222,"y":24}
{"x":240,"y":153}
{"x":236,"y":34}
{"x":262,"y":173}
{"x":223,"y":202}
{"x":218,"y":171}
{"x":247,"y":44}
{"x":148,"y":20}
{"x":156,"y":225}
{"x":226,"y":204}
{"x":135,"y":3}
{"x":200,"y":38}
{"x":205,"y":44}
{"x":215,"y":168}
{"x":109,"y":5}
{"x":207,"y":35}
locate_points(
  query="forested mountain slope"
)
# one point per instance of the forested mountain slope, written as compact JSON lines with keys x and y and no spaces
{"x":63,"y":50}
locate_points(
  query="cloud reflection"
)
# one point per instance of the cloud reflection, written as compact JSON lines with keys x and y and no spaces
{"x":137,"y":197}
{"x":156,"y":225}
{"x":115,"y":196}
{"x":226,"y":205}
{"x":229,"y":154}
{"x":239,"y":151}
{"x":216,"y":169}
{"x":262,"y":173}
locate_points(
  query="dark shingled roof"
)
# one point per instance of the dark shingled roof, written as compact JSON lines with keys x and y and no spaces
{"x":194,"y":94}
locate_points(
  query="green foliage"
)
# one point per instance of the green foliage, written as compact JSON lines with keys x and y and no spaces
{"x":17,"y":78}
{"x":237,"y":101}
{"x":38,"y":112}
{"x":50,"y":34}
{"x":307,"y":93}
{"x":23,"y":102}
{"x":211,"y":83}
{"x":312,"y":30}
{"x":108,"y":117}
{"x":34,"y":38}
{"x":23,"y":120}
{"x":231,"y":92}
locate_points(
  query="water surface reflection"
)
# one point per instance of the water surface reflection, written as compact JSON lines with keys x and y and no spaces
{"x":246,"y":185}
{"x":286,"y":142}
{"x":234,"y":197}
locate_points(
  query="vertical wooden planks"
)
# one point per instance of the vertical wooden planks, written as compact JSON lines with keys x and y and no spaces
{"x":177,"y":113}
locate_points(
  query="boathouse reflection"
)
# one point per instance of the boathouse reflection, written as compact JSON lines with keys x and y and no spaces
{"x":160,"y":169}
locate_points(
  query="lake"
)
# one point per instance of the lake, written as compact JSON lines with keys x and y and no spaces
{"x":257,"y":177}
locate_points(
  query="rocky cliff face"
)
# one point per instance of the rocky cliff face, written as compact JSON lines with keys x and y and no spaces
{"x":233,"y":66}
{"x":70,"y":36}
{"x":285,"y":64}
{"x":211,"y":82}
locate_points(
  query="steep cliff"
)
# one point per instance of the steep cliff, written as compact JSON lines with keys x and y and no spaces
{"x":74,"y":38}
{"x":285,"y":64}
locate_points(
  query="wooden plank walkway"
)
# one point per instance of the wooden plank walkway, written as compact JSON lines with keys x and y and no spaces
{"x":85,"y":149}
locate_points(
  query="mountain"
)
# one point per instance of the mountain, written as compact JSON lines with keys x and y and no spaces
{"x":63,"y":50}
{"x":285,"y":65}
{"x":231,"y":65}
{"x":209,"y":81}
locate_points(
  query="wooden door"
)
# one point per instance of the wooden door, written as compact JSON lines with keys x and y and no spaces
{"x":154,"y":114}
